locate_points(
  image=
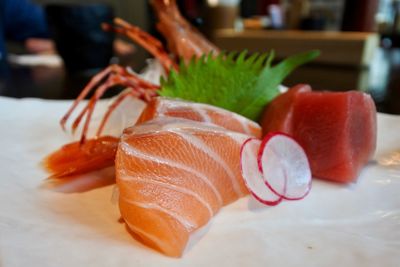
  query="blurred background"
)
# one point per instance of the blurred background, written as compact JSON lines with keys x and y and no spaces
{"x":359,"y":42}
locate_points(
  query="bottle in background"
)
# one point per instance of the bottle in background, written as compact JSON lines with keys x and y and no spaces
{"x":359,"y":15}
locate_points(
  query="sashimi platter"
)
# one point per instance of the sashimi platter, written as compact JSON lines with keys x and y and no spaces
{"x":216,"y":150}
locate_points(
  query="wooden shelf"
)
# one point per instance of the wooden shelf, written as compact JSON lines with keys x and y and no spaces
{"x":339,"y":48}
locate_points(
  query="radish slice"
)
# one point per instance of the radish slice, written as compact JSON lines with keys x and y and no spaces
{"x":252,"y":176}
{"x":285,"y":166}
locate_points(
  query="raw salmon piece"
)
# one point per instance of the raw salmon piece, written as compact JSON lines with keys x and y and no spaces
{"x":99,"y":153}
{"x":337,"y":130}
{"x":174,"y":175}
{"x":277,"y":115}
{"x":162,"y":106}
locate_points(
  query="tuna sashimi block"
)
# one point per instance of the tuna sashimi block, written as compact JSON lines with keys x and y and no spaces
{"x":169,"y":107}
{"x":278,"y":114}
{"x":336,"y":129}
{"x":338,"y":132}
{"x":173,"y":176}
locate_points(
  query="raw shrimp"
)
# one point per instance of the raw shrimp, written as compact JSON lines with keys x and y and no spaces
{"x":184,"y":42}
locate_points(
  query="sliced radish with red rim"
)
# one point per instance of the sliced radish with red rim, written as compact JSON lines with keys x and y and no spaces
{"x":284,"y":166}
{"x":253,"y":178}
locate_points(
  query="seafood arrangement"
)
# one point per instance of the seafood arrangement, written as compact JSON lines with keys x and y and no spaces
{"x":197,"y":146}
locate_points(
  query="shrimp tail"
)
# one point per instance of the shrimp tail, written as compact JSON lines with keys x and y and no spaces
{"x":77,"y":158}
{"x":183,"y":39}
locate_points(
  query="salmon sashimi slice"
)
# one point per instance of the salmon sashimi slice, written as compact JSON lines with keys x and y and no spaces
{"x":168,"y":107}
{"x":336,"y":129}
{"x":98,"y":153}
{"x":174,"y":175}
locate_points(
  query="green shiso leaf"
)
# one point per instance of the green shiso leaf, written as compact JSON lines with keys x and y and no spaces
{"x":234,"y":81}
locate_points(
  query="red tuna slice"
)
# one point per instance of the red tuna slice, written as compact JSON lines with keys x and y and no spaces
{"x":278,"y":114}
{"x":337,"y":130}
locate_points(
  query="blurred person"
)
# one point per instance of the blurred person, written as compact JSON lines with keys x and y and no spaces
{"x":25,"y":22}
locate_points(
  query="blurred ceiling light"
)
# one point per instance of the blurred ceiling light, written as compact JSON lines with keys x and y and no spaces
{"x":212,"y":2}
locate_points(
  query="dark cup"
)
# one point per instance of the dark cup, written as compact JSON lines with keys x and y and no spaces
{"x":79,"y":38}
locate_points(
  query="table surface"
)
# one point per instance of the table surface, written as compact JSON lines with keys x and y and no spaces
{"x":335,"y":225}
{"x":381,"y":80}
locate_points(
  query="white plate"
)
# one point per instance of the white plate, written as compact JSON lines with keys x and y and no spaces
{"x":353,"y":225}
